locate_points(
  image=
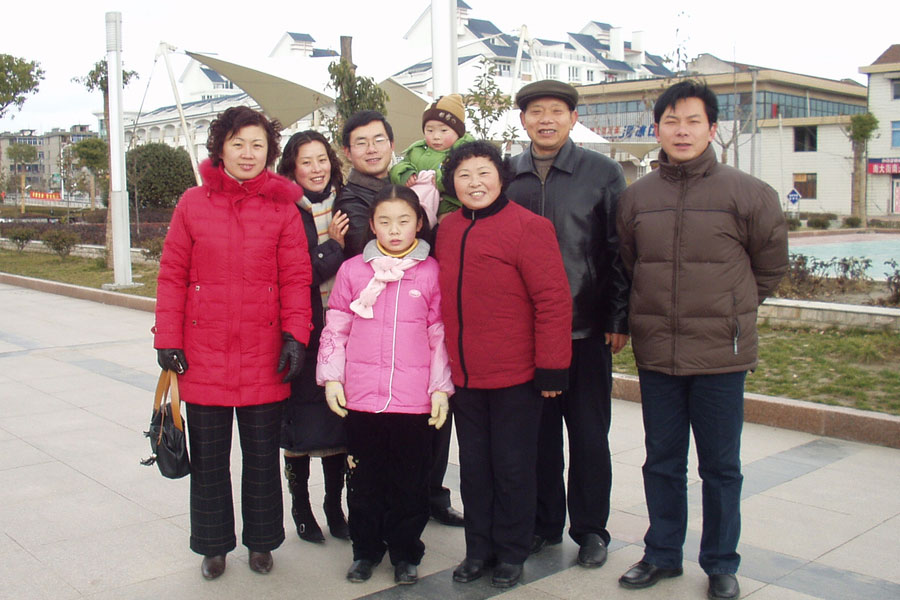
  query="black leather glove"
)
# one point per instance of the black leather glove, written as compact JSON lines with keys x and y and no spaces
{"x":291,"y":351}
{"x":172,"y":359}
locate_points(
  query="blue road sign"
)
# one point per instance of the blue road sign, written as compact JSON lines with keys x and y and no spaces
{"x":794,"y":196}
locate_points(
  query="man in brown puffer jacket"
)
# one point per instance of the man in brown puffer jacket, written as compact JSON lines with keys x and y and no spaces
{"x":703,"y":244}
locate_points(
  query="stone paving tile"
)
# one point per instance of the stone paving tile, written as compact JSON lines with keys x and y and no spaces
{"x":868,"y":553}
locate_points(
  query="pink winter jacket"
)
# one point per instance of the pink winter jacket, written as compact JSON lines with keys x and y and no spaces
{"x":395,"y":360}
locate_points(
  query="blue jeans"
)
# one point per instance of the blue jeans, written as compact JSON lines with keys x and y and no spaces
{"x":713,"y":406}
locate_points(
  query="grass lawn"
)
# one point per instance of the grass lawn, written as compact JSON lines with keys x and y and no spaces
{"x":88,"y":272}
{"x":855,"y":368}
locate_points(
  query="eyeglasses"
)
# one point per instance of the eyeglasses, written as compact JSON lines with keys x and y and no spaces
{"x":377,"y":141}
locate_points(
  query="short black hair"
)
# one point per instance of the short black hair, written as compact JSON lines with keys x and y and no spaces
{"x":288,"y":163}
{"x":362,"y":118}
{"x":402,"y":193}
{"x":232,"y":120}
{"x":682,"y":90}
{"x":468,"y":150}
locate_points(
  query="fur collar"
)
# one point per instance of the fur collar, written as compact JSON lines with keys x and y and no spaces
{"x":267,"y":184}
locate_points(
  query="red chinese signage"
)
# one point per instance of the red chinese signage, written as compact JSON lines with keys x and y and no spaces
{"x":884,"y":166}
{"x":43,"y":195}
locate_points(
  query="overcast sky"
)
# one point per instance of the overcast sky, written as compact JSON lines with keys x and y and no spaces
{"x":68,"y":37}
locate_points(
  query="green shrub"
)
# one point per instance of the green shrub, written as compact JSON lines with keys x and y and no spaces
{"x":884,"y":224}
{"x":20,"y":236}
{"x":852,"y":222}
{"x":61,"y":241}
{"x":793,"y":224}
{"x":152,"y":248}
{"x":818,"y":222}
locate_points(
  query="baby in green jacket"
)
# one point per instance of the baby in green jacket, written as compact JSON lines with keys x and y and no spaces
{"x":444,"y":125}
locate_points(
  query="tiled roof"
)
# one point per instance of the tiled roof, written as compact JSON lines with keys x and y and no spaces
{"x":617,"y":65}
{"x":301,"y":37}
{"x":606,"y":26}
{"x":461,"y":4}
{"x":317,"y":52}
{"x":482,"y":28}
{"x":212,"y":75}
{"x":658,"y":70}
{"x":891,"y":55}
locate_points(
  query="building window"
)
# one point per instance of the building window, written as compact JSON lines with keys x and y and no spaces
{"x":504,"y":69}
{"x":895,"y":134}
{"x":805,"y":138}
{"x":552,"y":71}
{"x":805,"y":183}
{"x":895,"y":89}
{"x":590,"y":75}
{"x":574,"y":73}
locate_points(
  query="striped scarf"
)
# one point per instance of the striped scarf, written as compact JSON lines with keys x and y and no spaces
{"x":321,"y":212}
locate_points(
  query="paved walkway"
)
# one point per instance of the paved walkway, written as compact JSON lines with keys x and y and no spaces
{"x":80,"y":518}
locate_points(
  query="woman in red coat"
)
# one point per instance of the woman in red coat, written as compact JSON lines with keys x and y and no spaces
{"x":233,"y":319}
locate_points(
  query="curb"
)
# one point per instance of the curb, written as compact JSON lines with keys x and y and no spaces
{"x":819,"y":419}
{"x":83,"y":293}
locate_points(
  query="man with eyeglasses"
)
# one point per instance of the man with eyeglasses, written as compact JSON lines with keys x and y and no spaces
{"x":368,"y":142}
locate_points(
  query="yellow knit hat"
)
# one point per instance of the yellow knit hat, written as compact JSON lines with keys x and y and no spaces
{"x":449,"y":110}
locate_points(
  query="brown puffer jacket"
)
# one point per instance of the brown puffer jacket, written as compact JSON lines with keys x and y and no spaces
{"x":704,"y":244}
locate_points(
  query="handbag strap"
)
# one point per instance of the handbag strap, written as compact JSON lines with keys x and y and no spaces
{"x":162,"y":388}
{"x":176,"y":401}
{"x":168,"y":386}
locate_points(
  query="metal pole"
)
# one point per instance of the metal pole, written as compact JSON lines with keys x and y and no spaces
{"x":444,"y":62}
{"x":118,"y":201}
{"x":753,"y":73}
{"x":164,"y":49}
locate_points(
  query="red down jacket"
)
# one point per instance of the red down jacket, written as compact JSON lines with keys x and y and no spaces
{"x":234,"y":274}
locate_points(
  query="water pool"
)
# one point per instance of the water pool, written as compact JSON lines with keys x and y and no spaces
{"x":878,"y":247}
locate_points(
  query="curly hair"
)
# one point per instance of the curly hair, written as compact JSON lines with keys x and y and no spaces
{"x":469,"y":150}
{"x":288,"y":163}
{"x":234,"y":119}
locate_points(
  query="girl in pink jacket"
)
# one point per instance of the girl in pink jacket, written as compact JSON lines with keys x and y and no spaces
{"x":384,"y":366}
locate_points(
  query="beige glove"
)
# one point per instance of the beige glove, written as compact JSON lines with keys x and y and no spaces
{"x":440,"y":406}
{"x":334,"y":396}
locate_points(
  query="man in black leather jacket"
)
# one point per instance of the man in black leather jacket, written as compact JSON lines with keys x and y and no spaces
{"x":578,"y":191}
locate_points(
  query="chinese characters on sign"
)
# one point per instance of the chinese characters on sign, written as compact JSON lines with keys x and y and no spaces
{"x":884,"y":166}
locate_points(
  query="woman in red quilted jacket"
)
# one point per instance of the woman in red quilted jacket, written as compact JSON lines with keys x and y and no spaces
{"x":508,"y":316}
{"x":233,"y":319}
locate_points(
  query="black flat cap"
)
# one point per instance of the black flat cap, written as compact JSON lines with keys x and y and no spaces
{"x":545,"y":88}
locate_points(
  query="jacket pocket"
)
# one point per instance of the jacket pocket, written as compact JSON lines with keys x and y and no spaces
{"x":736,"y":327}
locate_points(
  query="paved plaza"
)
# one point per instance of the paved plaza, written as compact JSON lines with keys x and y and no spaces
{"x":80,"y":518}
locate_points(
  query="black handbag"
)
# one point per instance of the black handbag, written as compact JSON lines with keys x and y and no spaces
{"x":167,"y":439}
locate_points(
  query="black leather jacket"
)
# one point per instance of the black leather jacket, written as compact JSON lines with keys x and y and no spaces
{"x":355,"y":201}
{"x":580,"y":196}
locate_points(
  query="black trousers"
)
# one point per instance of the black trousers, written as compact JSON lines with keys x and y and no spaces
{"x":586,"y":408}
{"x":438,"y":494}
{"x":498,"y":433}
{"x":212,"y":504}
{"x":387,"y":489}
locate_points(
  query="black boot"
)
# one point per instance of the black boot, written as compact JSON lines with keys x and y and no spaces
{"x":296,"y":470}
{"x":333,"y":468}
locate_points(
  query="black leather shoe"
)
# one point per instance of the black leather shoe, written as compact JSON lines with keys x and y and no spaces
{"x":361,"y":570}
{"x":506,"y":575}
{"x":261,"y":562}
{"x":592,"y":553}
{"x":538,"y":542}
{"x":448,"y":516}
{"x":723,"y":586}
{"x":468,"y":570}
{"x":643,"y":575}
{"x":405,"y":573}
{"x":212,"y":566}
